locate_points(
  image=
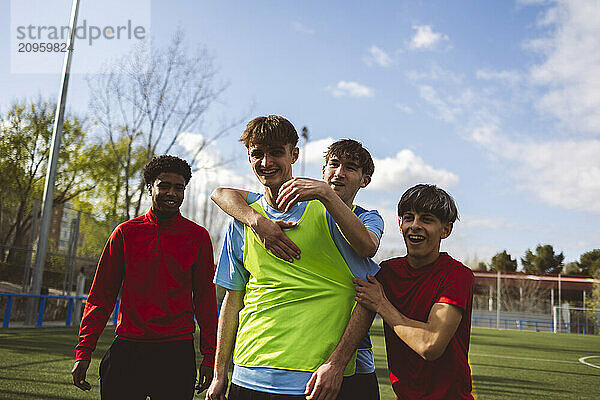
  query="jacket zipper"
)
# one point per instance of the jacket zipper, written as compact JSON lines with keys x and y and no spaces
{"x":157,"y":238}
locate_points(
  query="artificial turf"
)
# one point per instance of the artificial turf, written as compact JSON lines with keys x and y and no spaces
{"x":35,"y":363}
{"x":534,"y":365}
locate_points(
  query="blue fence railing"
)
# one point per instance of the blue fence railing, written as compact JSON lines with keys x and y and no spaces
{"x":585,"y":328}
{"x":42,"y":306}
{"x":487,"y":322}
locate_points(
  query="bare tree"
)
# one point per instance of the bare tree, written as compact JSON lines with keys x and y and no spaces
{"x":527,"y":296}
{"x":144,"y":103}
{"x":202,"y":210}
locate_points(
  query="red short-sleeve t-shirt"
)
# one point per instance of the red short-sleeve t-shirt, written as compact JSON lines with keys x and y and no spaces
{"x":413,"y":292}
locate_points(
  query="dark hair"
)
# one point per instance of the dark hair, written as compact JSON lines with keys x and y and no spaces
{"x":166,"y":163}
{"x":431,"y":199}
{"x":353,"y":150}
{"x":272,"y":129}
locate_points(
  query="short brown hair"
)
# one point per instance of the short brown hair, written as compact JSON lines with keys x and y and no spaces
{"x":431,"y":199}
{"x":272,"y":129}
{"x":353,"y":150}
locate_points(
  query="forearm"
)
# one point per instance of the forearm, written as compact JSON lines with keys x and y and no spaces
{"x":226,"y":331}
{"x":358,"y":236}
{"x":233,"y":203}
{"x":428,"y":339}
{"x":357,"y":328}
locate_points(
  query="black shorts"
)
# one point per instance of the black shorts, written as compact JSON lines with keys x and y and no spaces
{"x":360,"y":387}
{"x":241,"y":393}
{"x":355,"y":387}
{"x":134,"y":370}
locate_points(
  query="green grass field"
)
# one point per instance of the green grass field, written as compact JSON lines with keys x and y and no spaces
{"x":36,"y":364}
{"x":534,"y":365}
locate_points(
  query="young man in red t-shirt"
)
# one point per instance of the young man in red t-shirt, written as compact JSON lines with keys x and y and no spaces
{"x":425,"y":300}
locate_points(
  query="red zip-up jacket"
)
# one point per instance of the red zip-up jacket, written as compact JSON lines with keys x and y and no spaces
{"x":166,"y":271}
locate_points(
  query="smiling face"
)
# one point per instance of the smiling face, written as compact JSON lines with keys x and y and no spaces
{"x":345,"y":177}
{"x":272,"y":164}
{"x":422,"y":234}
{"x":167,"y":193}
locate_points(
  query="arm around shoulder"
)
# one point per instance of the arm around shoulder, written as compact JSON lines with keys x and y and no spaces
{"x":269,"y":232}
{"x":233,"y":202}
{"x":364,"y":242}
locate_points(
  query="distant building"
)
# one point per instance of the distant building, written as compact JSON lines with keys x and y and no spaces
{"x":60,"y":227}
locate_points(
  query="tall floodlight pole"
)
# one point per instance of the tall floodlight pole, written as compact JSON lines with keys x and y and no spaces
{"x":559,"y":305}
{"x":498,"y":304}
{"x":305,"y":137}
{"x":42,"y":244}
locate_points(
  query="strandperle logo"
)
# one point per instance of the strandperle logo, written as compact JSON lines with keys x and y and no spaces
{"x":83,"y":31}
{"x":106,"y":31}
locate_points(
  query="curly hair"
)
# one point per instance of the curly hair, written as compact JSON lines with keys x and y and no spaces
{"x":269,"y":130}
{"x":166,"y":163}
{"x":431,"y":199}
{"x":352,"y":150}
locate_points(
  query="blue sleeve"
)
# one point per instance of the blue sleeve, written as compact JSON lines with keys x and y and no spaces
{"x":252,"y":197}
{"x":359,"y":266}
{"x":230,"y":272}
{"x":373,"y":222}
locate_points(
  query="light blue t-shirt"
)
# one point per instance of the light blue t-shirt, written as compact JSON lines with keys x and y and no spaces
{"x":232,"y":275}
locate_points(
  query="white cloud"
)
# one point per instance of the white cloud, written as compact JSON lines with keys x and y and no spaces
{"x":560,"y":173}
{"x":379,"y":57}
{"x":392,"y":243}
{"x":532,"y":2}
{"x":443,"y":110}
{"x":351,"y":89}
{"x":570,"y":73}
{"x":509,"y":77}
{"x":315,"y":151}
{"x":212,"y":171}
{"x":425,"y":38}
{"x":392,"y":173}
{"x":478,"y":222}
{"x":302,"y":28}
{"x":435,"y":73}
{"x":407,"y":169}
{"x":404,"y":108}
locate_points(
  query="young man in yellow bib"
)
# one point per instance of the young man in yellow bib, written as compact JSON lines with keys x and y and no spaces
{"x":289,"y":297}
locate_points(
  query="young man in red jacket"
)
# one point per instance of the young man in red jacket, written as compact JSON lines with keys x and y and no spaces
{"x":164,"y":264}
{"x":425,"y":300}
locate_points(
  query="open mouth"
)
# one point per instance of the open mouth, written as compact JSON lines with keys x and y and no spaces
{"x":336,"y":184}
{"x":170,"y":203}
{"x":416,"y":238}
{"x":268,"y":172}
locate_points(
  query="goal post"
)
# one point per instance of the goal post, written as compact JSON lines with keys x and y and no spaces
{"x":569,"y":319}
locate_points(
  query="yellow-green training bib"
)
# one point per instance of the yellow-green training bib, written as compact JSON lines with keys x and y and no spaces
{"x":295,"y":313}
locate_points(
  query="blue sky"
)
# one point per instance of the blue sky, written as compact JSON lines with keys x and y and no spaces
{"x":497,"y":102}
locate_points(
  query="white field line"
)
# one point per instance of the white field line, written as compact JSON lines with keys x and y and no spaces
{"x":582,"y":360}
{"x":525,"y":358}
